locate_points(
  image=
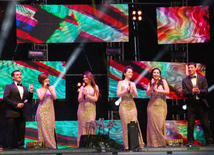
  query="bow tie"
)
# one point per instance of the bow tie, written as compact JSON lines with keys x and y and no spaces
{"x":192,"y":76}
{"x":19,"y":84}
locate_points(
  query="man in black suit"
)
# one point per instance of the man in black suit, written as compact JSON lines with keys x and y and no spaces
{"x":195,"y":88}
{"x":16,"y":95}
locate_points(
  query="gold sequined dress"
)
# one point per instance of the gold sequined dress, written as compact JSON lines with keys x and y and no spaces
{"x":45,"y":116}
{"x":156,"y":116}
{"x":128,"y":112}
{"x":86,"y":113}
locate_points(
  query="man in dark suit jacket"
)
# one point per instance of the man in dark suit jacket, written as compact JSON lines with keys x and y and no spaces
{"x":16,"y":95}
{"x":195,"y":88}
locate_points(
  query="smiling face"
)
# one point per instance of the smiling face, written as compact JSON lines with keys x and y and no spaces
{"x":191,"y":70}
{"x":46,"y":81}
{"x":86,"y":79}
{"x":17,"y":77}
{"x":156,"y":74}
{"x":129,"y":73}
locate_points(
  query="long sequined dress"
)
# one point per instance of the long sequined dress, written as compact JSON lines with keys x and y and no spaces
{"x":128,"y":112}
{"x":86,"y":113}
{"x":156,"y":113}
{"x":45,"y":116}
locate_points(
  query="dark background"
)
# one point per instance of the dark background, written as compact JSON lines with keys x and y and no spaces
{"x":94,"y":55}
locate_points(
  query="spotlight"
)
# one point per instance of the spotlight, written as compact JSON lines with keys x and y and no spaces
{"x":117,"y":103}
{"x":134,"y":12}
{"x":78,"y":90}
{"x":184,"y":107}
{"x":137,"y":15}
{"x":139,"y":12}
{"x":79,"y":84}
{"x":36,"y":54}
{"x":139,"y":18}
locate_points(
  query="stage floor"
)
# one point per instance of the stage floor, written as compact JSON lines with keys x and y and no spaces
{"x":84,"y":151}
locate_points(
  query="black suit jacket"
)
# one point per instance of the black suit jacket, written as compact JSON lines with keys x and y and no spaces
{"x":12,"y":98}
{"x":187,"y":89}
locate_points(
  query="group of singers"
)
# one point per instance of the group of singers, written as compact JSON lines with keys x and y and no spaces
{"x":194,"y":87}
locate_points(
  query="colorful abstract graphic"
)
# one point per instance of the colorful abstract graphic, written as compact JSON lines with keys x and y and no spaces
{"x":173,"y":72}
{"x":67,"y":132}
{"x":72,"y":23}
{"x":177,"y":129}
{"x":187,"y":24}
{"x":30,"y":71}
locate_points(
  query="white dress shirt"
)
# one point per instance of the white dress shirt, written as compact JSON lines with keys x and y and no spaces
{"x":21,"y":90}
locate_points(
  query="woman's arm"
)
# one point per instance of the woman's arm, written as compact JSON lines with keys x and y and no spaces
{"x":95,"y":96}
{"x":41,"y":94}
{"x":119,"y":91}
{"x":166,"y":88}
{"x":81,"y":95}
{"x":52,"y":91}
{"x":149,"y":90}
{"x":134,"y":89}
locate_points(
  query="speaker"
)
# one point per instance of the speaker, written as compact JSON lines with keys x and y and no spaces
{"x":133,"y":135}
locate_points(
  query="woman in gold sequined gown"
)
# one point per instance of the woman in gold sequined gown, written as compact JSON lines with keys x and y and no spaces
{"x":88,"y":95}
{"x":156,"y":109}
{"x":45,"y":114}
{"x":127,"y":110}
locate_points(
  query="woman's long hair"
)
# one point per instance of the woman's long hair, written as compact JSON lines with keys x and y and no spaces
{"x":160,"y":81}
{"x":90,"y":76}
{"x":125,"y":70}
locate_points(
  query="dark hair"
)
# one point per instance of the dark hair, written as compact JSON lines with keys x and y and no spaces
{"x":42,"y":77}
{"x":125,"y":70}
{"x":12,"y":74}
{"x":90,"y":76}
{"x":160,"y":81}
{"x":192,"y":63}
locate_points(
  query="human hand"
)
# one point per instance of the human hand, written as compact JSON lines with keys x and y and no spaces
{"x":195,"y":90}
{"x":84,"y":91}
{"x":20,"y":105}
{"x":31,"y":88}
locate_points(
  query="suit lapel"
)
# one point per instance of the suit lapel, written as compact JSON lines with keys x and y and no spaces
{"x":189,"y":80}
{"x":197,"y":80}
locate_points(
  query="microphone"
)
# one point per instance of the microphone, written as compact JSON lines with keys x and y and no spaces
{"x":48,"y":84}
{"x":129,"y":85}
{"x":152,"y":80}
{"x":83,"y":84}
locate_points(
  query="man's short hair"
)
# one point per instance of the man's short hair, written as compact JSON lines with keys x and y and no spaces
{"x":192,"y":63}
{"x":12,"y":74}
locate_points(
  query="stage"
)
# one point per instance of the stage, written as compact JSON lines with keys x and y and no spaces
{"x":84,"y":151}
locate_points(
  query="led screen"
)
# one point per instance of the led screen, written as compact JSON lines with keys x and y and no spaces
{"x":30,"y":71}
{"x":187,"y":24}
{"x":173,"y":72}
{"x":72,"y":23}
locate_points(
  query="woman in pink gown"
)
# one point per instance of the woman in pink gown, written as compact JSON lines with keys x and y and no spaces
{"x":127,"y":110}
{"x":156,"y":109}
{"x":45,"y":114}
{"x":88,"y":95}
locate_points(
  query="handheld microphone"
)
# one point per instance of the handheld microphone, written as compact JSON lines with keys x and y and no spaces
{"x":129,"y":85}
{"x":83,"y":84}
{"x":48,"y":84}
